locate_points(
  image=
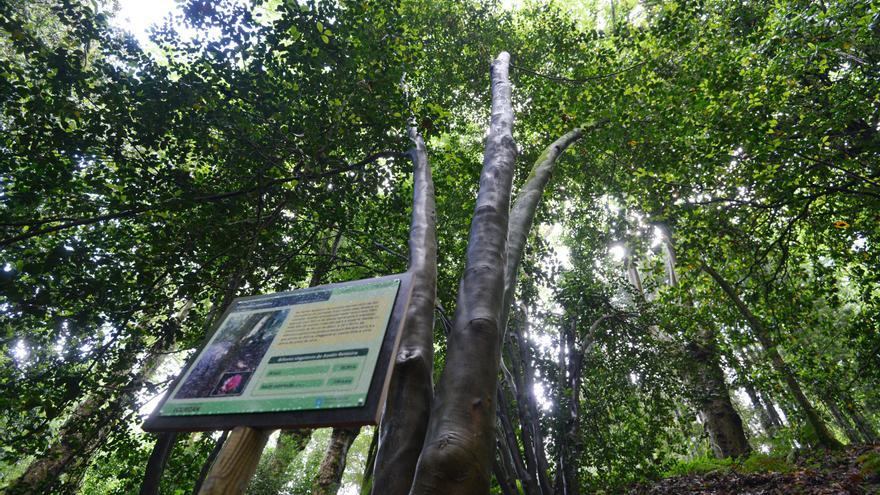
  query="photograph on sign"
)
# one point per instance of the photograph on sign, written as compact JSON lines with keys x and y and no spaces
{"x":304,"y":350}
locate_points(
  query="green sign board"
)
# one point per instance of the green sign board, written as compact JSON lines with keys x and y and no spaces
{"x":301,"y":358}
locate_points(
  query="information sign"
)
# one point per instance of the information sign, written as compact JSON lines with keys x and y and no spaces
{"x":312,"y":357}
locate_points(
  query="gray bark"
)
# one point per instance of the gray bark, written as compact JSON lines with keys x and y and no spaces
{"x":825,"y":438}
{"x":460,"y":442}
{"x":407,"y":409}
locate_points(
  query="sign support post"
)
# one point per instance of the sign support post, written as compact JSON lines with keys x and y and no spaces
{"x":236,"y":463}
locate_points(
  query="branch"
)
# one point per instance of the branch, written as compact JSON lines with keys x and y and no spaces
{"x":181,"y":203}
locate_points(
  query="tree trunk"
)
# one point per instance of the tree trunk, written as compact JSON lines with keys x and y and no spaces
{"x":825,"y":438}
{"x":771,"y":409}
{"x":503,"y":479}
{"x":88,"y":425}
{"x":370,"y":465}
{"x":524,"y":472}
{"x":851,"y":434}
{"x":291,"y":442}
{"x":460,"y":442}
{"x":726,"y":434}
{"x":271,"y":476}
{"x":763,"y":415}
{"x":407,"y":409}
{"x":522,"y":217}
{"x":530,"y":429}
{"x":705,"y":378}
{"x":522,"y":214}
{"x":869,"y":434}
{"x":330,"y":473}
{"x":570,"y":446}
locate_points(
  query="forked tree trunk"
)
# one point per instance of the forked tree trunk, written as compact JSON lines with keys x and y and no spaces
{"x":825,"y":438}
{"x":405,"y":420}
{"x":333,"y":466}
{"x":460,"y":442}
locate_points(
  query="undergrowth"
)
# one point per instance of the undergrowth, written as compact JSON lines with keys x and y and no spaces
{"x":755,"y":463}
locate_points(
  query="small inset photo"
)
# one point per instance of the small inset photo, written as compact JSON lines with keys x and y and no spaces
{"x":232,"y":383}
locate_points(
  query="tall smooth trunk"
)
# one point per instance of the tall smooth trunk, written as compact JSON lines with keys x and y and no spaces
{"x":460,"y":442}
{"x":407,"y":409}
{"x":825,"y":438}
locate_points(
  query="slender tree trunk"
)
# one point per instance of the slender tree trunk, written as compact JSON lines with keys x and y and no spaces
{"x":869,"y":434}
{"x":851,"y":434}
{"x":530,"y":429}
{"x":271,"y":476}
{"x":407,"y":409}
{"x":771,"y":409}
{"x":89,"y":424}
{"x":522,"y":217}
{"x":761,"y":395}
{"x":370,"y":465}
{"x":523,"y":471}
{"x":460,"y":442}
{"x":825,"y":438}
{"x":503,"y":479}
{"x":522,"y":214}
{"x":763,"y":415}
{"x":333,"y":466}
{"x":570,"y":448}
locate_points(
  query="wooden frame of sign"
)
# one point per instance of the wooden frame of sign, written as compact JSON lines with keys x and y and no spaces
{"x":366,"y":414}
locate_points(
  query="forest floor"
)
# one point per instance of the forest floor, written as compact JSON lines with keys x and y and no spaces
{"x":854,"y":471}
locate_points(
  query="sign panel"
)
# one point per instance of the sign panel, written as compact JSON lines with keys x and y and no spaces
{"x":316,"y":355}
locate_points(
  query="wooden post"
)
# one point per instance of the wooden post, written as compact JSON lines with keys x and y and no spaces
{"x":237,"y":462}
